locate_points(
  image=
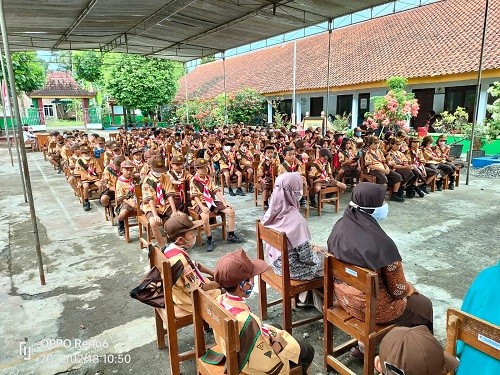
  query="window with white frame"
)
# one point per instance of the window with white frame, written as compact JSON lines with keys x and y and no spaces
{"x":48,"y":110}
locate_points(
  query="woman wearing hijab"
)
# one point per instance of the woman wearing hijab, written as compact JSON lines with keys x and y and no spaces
{"x":358,"y":239}
{"x":306,"y":260}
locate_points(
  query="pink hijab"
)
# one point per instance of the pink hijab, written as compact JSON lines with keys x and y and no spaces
{"x":283,"y":214}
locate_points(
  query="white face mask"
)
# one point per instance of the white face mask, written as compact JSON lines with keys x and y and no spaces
{"x":86,"y":157}
{"x":379,"y":213}
{"x":188,"y":244}
{"x":156,"y":174}
{"x":227,"y":148}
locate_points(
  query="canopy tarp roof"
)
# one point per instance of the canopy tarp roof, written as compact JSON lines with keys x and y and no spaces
{"x":180,"y":30}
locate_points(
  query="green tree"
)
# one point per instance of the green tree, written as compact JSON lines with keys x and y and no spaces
{"x":29,"y":71}
{"x":137,"y":82}
{"x":87,"y":66}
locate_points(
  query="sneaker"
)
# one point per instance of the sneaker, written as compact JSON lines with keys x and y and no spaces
{"x":239,"y":191}
{"x":423,"y":189}
{"x":250,"y":189}
{"x":231,"y":192}
{"x":210,"y":246}
{"x":86,"y":206}
{"x":397,"y":198}
{"x":233,"y":238}
{"x":121,"y":232}
{"x":302,"y":202}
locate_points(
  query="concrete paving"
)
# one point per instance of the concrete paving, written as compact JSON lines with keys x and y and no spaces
{"x":445,"y":239}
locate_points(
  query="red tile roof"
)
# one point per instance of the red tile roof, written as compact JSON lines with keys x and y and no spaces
{"x":433,"y":40}
{"x":61,"y":84}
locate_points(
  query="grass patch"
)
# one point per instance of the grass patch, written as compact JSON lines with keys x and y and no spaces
{"x":68,"y":123}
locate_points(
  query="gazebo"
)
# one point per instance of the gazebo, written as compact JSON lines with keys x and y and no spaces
{"x":50,"y":101}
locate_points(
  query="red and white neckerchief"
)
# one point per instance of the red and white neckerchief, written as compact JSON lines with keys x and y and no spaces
{"x":160,"y":196}
{"x":209,"y":200}
{"x":234,"y":310}
{"x":91,"y":170}
{"x":173,"y":250}
{"x":180,"y":187}
{"x":324,"y":175}
{"x":226,"y":158}
{"x":129,"y":182}
{"x":291,"y":167}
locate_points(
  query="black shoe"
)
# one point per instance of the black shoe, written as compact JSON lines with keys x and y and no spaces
{"x":312,"y":202}
{"x":231,"y":192}
{"x":121,"y":232}
{"x":419,"y":191}
{"x":451,"y":186}
{"x":302,"y":202}
{"x":233,"y":238}
{"x":210,"y":245}
{"x":86,"y":206}
{"x":250,"y":189}
{"x":396,"y":198}
{"x":410,"y":191}
{"x":423,"y":189}
{"x":239,"y":191}
{"x":439,"y":185}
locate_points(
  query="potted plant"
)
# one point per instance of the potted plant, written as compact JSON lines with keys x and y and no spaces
{"x":340,"y":123}
{"x":393,"y":110}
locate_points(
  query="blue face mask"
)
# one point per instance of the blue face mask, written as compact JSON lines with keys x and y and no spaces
{"x":247,"y":292}
{"x":358,"y":134}
{"x":379,"y":213}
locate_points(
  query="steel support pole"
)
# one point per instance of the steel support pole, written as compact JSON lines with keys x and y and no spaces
{"x":225,"y":92}
{"x":478,"y":92}
{"x":294,"y":121}
{"x":328,"y":75}
{"x":25,"y":169}
{"x":7,"y":125}
{"x":187,"y":97}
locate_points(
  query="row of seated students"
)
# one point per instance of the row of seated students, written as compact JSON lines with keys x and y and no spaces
{"x":400,"y":163}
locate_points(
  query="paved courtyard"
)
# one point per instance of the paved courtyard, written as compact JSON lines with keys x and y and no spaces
{"x":445,"y":239}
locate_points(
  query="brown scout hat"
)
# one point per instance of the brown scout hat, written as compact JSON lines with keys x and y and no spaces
{"x":118,"y":160}
{"x":127,"y":164}
{"x":177,"y":159}
{"x":136,"y":151}
{"x":231,"y":269}
{"x":114,"y":146}
{"x":85,"y":150}
{"x":415,"y":139}
{"x":158,"y":164}
{"x":414,"y":351}
{"x":179,"y":224}
{"x":442,"y":137}
{"x":200,"y":163}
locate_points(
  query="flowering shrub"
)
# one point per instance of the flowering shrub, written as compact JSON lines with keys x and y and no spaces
{"x":452,"y":123}
{"x":493,"y":124}
{"x":394,"y":109}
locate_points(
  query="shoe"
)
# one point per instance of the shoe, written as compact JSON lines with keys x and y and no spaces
{"x":250,"y":189}
{"x":356,"y":352}
{"x":410,"y":191}
{"x":302,"y":202}
{"x":121,"y":228}
{"x":231,"y":192}
{"x":86,"y":206}
{"x":239,"y":191}
{"x":396,"y":198}
{"x":423,"y":189}
{"x":439,"y":185}
{"x":233,"y":238}
{"x":210,"y":246}
{"x":419,"y":191}
{"x":451,"y":185}
{"x":312,"y":202}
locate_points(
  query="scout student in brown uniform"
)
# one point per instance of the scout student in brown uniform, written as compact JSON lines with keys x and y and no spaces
{"x":416,"y":157}
{"x":265,"y":173}
{"x":270,"y":350}
{"x":138,"y":163}
{"x":108,"y":180}
{"x":347,"y":159}
{"x":397,"y":161}
{"x":176,"y":187}
{"x":244,"y":161}
{"x":89,"y":170}
{"x":377,"y":166}
{"x":155,"y":204}
{"x":321,"y":175}
{"x":187,"y":274}
{"x":443,"y":151}
{"x":436,"y":162}
{"x":225,"y":158}
{"x":125,"y":195}
{"x":203,"y":194}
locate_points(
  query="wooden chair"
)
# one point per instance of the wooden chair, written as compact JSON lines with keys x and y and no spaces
{"x":113,"y":136}
{"x":207,"y":311}
{"x":473,"y":331}
{"x":215,"y":224}
{"x":127,"y":222}
{"x":142,"y":222}
{"x":256,"y":184}
{"x":287,"y":288}
{"x":367,"y":331}
{"x":321,"y":195}
{"x":172,"y":317}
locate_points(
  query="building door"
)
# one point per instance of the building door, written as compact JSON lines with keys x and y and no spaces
{"x":316,"y":106}
{"x":425,"y":99}
{"x":363,"y":107}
